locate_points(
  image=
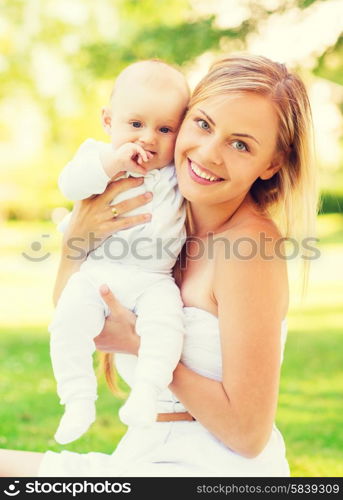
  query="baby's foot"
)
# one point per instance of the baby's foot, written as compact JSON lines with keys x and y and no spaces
{"x":77,"y":418}
{"x":140,"y":408}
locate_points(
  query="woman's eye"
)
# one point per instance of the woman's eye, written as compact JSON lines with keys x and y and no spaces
{"x":136,"y":124}
{"x":165,"y":130}
{"x":240,"y":146}
{"x":203,"y":124}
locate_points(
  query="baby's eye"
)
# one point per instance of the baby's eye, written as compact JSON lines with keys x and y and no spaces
{"x":165,"y":130}
{"x":240,"y":146}
{"x":203,"y":124}
{"x":136,"y":124}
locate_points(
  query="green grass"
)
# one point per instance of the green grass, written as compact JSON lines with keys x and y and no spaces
{"x":30,"y":410}
{"x":310,"y":403}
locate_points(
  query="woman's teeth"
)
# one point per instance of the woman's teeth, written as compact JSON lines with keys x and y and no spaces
{"x":202,"y":174}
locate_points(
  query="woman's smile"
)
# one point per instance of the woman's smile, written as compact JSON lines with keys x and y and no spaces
{"x":200,"y":174}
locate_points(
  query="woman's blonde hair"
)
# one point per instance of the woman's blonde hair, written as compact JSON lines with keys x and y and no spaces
{"x":107,"y":367}
{"x":290,"y":197}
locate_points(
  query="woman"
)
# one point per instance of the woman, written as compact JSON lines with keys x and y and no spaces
{"x":248,"y":128}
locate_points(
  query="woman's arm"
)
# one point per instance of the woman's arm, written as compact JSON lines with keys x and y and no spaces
{"x":252,"y":298}
{"x":205,"y":398}
{"x":92,"y":222}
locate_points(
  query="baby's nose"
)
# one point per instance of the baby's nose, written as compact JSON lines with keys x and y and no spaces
{"x":147,"y":137}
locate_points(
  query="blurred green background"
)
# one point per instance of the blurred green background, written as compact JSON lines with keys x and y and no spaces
{"x":58,"y":60}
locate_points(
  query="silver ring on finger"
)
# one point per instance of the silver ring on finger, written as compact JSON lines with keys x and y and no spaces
{"x":114,"y":211}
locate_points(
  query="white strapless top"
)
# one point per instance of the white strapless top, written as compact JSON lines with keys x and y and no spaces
{"x":201,"y":350}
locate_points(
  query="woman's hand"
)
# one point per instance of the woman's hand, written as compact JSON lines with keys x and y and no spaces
{"x":118,"y":334}
{"x":93,"y":221}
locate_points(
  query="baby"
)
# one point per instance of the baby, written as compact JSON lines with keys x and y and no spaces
{"x":147,"y":106}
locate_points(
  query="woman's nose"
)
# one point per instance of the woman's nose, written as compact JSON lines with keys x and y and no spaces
{"x":210,"y":152}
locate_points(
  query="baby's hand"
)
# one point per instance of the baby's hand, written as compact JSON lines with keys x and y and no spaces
{"x":129,"y":156}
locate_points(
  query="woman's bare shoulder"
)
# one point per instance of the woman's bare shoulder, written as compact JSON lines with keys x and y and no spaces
{"x":255,"y":231}
{"x":251,"y":253}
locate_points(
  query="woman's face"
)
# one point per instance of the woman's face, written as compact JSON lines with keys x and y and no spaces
{"x":224,"y":144}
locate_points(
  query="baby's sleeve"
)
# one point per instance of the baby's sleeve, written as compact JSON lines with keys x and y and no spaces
{"x":84,"y":175}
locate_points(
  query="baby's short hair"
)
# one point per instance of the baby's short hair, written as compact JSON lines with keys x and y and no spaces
{"x":151,"y":70}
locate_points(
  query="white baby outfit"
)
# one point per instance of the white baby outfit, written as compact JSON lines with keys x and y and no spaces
{"x":179,"y":448}
{"x":136,"y":264}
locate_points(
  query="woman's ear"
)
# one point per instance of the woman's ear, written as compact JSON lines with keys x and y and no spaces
{"x":276,"y":164}
{"x":106,"y":120}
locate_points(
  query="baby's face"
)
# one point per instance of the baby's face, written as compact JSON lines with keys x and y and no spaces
{"x":148,"y":115}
